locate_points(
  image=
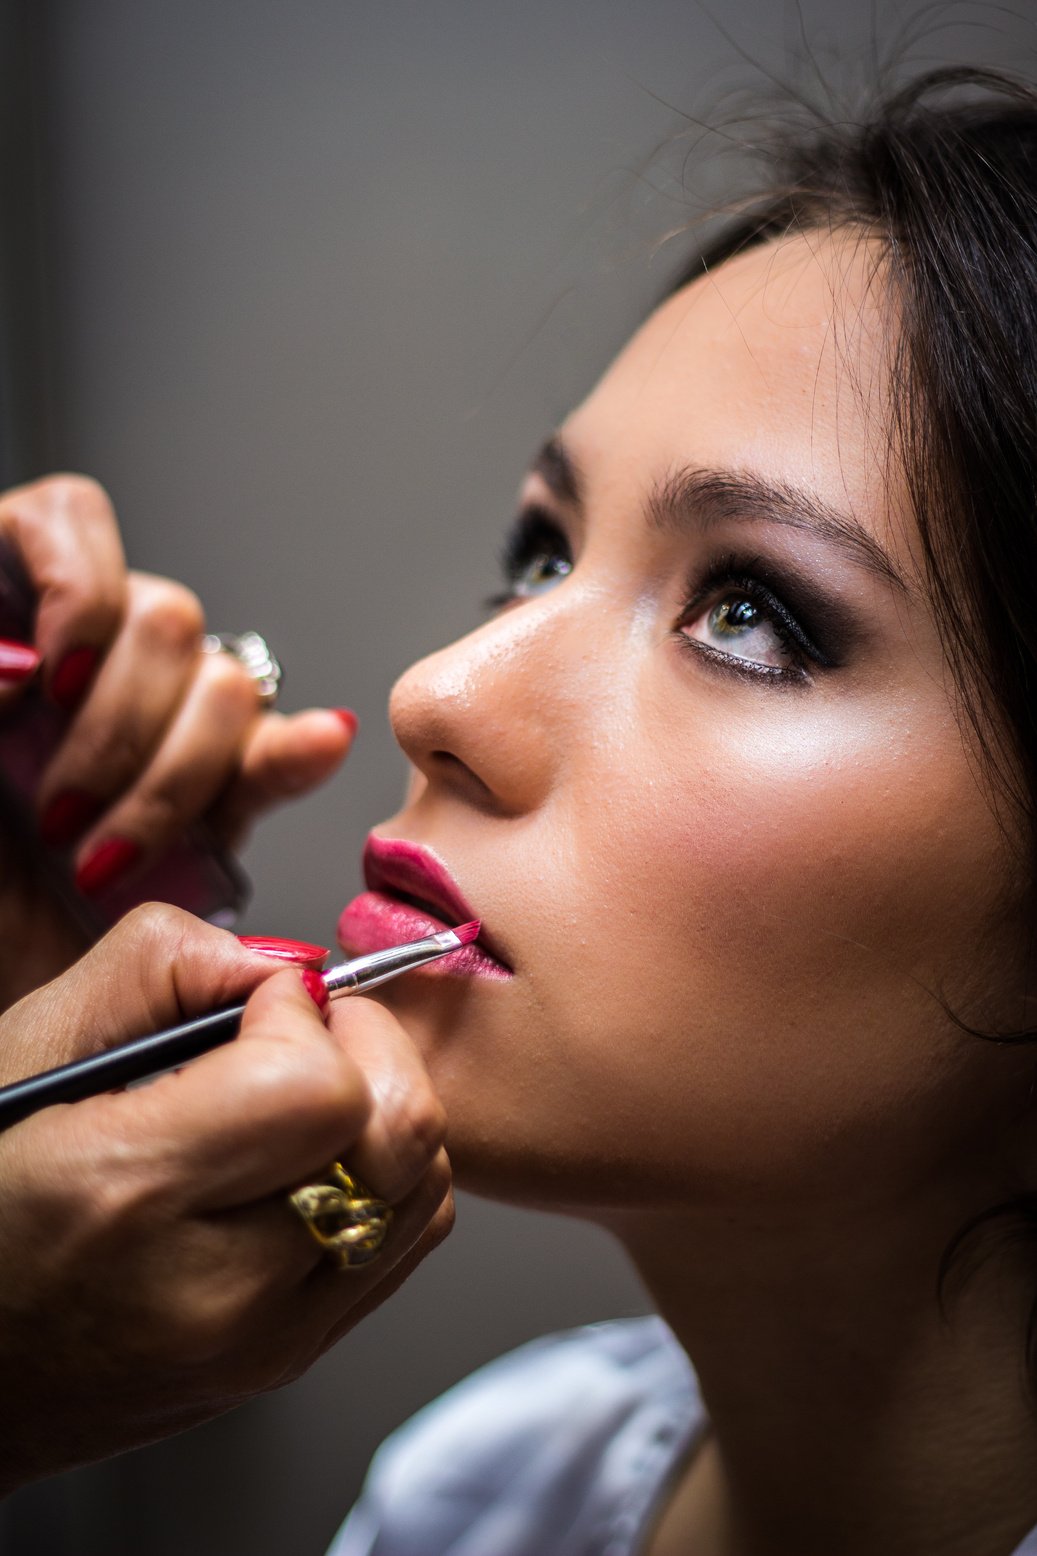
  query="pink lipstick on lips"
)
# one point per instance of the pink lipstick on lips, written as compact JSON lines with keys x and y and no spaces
{"x":411,"y":893}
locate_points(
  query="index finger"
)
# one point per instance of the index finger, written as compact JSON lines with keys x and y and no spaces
{"x":65,"y":533}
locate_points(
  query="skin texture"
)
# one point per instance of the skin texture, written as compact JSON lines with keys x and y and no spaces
{"x":730,"y":899}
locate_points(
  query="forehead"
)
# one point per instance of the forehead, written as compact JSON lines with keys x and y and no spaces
{"x":778,"y":360}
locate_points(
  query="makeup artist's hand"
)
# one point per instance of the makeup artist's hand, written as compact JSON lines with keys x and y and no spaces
{"x":152,"y":1273}
{"x":161,"y":734}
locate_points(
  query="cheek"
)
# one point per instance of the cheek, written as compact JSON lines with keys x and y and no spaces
{"x":786,"y":845}
{"x":785,"y":902}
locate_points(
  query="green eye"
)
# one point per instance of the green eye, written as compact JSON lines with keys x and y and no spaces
{"x":536,"y":556}
{"x":740,"y":627}
{"x":731,"y":619}
{"x":540,"y":572}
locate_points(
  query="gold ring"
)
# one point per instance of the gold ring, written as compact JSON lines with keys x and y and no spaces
{"x":345,"y":1218}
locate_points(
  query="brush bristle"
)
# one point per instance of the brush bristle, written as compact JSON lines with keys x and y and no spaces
{"x":466,"y":933}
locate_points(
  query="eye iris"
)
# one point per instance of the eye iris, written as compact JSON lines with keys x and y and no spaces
{"x":734,"y":617}
{"x":545,"y":567}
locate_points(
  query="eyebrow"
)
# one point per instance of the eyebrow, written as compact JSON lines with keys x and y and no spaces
{"x":701,"y":499}
{"x":557,"y":469}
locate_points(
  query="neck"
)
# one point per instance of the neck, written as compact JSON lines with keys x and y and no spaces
{"x":847,"y":1414}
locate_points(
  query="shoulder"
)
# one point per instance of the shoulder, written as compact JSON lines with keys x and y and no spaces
{"x":527,"y":1437}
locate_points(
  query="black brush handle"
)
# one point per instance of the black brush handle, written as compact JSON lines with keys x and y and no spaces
{"x":132,"y":1061}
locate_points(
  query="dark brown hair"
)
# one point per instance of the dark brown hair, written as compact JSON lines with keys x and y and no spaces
{"x":943,"y":172}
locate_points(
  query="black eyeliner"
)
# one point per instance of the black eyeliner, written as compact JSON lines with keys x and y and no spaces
{"x":814,"y":623}
{"x":788,"y":678}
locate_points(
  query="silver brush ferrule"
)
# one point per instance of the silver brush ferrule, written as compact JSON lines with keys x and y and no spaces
{"x":366,"y":972}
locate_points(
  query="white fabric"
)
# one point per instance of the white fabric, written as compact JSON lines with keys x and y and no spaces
{"x":560,"y":1449}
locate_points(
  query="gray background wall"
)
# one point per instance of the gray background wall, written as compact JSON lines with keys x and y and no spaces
{"x":316,"y":277}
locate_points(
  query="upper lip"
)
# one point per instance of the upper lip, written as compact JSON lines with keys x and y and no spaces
{"x":407,"y":869}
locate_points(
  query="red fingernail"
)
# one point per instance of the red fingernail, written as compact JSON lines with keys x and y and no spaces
{"x":101,"y":868}
{"x":284,"y":950}
{"x":349,"y":719}
{"x":17,"y":661}
{"x":67,"y":817}
{"x":315,"y":987}
{"x":73,"y":676}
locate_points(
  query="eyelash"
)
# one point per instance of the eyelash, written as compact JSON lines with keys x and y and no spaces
{"x":536,"y":533}
{"x":749,"y":578}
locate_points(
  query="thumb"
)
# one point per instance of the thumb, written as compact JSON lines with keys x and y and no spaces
{"x":158,"y":966}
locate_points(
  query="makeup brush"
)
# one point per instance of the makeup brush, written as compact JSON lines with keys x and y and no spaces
{"x":145,"y":1056}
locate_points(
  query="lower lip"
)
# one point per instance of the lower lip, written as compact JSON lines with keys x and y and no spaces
{"x":375,"y":921}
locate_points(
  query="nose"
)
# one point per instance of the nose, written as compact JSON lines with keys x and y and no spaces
{"x":488,"y":716}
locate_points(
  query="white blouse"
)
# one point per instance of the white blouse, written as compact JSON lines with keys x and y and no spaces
{"x":562,"y":1448}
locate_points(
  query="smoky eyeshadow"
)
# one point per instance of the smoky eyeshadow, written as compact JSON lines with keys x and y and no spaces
{"x":835,"y":627}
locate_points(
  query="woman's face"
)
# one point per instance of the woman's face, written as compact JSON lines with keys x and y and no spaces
{"x":703,"y":781}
